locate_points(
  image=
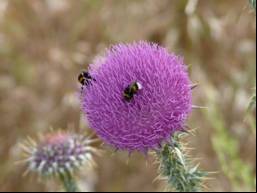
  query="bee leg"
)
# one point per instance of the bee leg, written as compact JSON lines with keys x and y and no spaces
{"x":81,"y":89}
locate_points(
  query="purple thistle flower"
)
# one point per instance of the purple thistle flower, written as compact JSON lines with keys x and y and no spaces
{"x":58,"y":153}
{"x":154,"y":112}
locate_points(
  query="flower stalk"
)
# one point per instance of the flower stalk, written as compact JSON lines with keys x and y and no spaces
{"x":253,"y":4}
{"x":69,"y":182}
{"x":177,"y":169}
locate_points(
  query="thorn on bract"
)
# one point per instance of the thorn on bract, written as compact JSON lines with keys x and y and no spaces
{"x":198,"y":107}
{"x":193,"y":86}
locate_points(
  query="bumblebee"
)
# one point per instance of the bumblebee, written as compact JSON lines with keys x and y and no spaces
{"x":131,"y":90}
{"x":85,"y":78}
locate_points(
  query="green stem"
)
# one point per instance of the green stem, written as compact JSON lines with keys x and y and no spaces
{"x":253,"y":4}
{"x":176,"y":167}
{"x":69,"y":183}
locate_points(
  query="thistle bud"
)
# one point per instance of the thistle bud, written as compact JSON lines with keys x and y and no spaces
{"x":58,"y":153}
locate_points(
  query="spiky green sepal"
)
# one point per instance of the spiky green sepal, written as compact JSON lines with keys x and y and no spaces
{"x":177,"y":169}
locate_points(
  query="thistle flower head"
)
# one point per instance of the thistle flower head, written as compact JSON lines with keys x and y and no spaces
{"x":57,"y":153}
{"x":137,"y":119}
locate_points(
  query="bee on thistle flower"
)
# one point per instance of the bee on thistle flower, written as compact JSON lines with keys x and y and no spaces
{"x":85,"y":78}
{"x":131,"y":90}
{"x":156,"y":112}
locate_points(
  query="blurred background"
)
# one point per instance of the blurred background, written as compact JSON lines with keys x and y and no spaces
{"x":45,"y":43}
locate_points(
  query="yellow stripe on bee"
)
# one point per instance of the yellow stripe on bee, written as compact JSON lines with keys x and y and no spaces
{"x":134,"y":88}
{"x":126,"y":95}
{"x":81,"y":78}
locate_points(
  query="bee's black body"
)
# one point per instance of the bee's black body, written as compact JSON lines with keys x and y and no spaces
{"x":85,"y":78}
{"x":131,"y":90}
